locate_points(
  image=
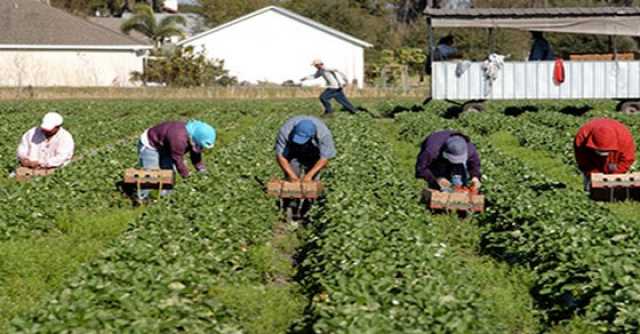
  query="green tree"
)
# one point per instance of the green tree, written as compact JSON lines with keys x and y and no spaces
{"x":218,"y":12}
{"x":144,"y":21}
{"x":183,"y":67}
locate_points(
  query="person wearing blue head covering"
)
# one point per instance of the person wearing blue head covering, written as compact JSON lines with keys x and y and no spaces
{"x":165,"y":145}
{"x":304,"y":144}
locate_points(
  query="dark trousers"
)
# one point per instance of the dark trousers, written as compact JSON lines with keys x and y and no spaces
{"x":338,"y":94}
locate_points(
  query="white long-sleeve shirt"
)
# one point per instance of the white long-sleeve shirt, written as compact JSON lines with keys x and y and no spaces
{"x":49,"y":153}
{"x":330,"y":76}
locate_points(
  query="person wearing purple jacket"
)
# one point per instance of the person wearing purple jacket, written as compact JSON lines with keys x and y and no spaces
{"x":165,"y":145}
{"x":448,"y":157}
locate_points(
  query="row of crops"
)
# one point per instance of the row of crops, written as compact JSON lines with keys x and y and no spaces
{"x":371,"y":258}
{"x":583,"y":256}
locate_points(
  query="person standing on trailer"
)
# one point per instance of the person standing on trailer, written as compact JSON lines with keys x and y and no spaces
{"x":336,"y":81}
{"x":165,"y":145}
{"x":448,"y":158}
{"x":540,"y":49}
{"x":46,"y":146}
{"x":304,"y":144}
{"x":446,"y":49}
{"x":605,"y":146}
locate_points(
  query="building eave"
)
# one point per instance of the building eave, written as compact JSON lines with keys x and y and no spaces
{"x":286,"y":13}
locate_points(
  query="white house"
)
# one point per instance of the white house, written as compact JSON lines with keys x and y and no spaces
{"x":275,"y":45}
{"x":44,"y":46}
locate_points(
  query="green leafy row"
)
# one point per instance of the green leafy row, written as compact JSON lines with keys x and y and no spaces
{"x":373,"y":264}
{"x":163,"y":274}
{"x":584,"y":258}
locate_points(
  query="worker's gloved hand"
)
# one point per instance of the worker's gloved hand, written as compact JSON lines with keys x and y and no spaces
{"x":475,"y":183}
{"x":203,"y":171}
{"x":613,"y":168}
{"x":444,"y":184}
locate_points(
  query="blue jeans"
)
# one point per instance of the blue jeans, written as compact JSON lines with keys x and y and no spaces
{"x":152,"y":159}
{"x":338,"y":94}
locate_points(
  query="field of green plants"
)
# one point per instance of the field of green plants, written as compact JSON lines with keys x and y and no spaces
{"x":217,"y":256}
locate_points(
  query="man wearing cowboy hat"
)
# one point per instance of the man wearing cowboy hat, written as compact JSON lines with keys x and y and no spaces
{"x":447,"y":159}
{"x":46,"y":146}
{"x":336,"y":81}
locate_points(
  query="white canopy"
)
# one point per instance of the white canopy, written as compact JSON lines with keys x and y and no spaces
{"x":596,"y":20}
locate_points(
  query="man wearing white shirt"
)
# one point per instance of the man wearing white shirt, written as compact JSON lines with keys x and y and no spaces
{"x":46,"y":146}
{"x":336,"y":81}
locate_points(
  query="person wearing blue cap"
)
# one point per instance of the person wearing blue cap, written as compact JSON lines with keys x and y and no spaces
{"x":304,"y":144}
{"x":448,"y":158}
{"x":165,"y":145}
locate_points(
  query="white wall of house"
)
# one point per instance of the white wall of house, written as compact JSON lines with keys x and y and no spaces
{"x":69,"y":68}
{"x":274,"y":48}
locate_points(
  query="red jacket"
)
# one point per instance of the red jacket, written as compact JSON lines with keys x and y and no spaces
{"x":605,"y":135}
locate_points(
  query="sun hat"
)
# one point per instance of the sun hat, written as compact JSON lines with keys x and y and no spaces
{"x":316,"y":62}
{"x":303,"y":131}
{"x":456,"y":150}
{"x":51,"y":121}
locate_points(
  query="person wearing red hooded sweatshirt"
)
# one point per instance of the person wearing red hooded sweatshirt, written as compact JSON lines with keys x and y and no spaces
{"x":605,"y":146}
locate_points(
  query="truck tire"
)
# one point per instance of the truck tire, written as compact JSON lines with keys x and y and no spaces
{"x":630,"y":107}
{"x":473,"y":107}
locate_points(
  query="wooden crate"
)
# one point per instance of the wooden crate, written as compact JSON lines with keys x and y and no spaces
{"x":25,"y":174}
{"x":453,"y":201}
{"x":149,"y":177}
{"x":615,"y":187}
{"x":295,"y":190}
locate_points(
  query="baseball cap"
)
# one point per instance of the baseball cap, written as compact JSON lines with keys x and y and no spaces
{"x":303,"y":131}
{"x":50,"y":121}
{"x":316,"y":62}
{"x":456,"y":150}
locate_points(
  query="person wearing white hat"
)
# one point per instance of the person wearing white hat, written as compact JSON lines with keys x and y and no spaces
{"x":336,"y":81}
{"x":46,"y":146}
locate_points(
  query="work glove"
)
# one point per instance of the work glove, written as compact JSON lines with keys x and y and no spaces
{"x":203,"y":171}
{"x":613,"y":167}
{"x":475,"y":183}
{"x":444,"y":184}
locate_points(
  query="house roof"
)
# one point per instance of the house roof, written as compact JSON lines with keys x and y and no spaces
{"x":593,"y":20}
{"x":33,"y":24}
{"x":286,"y":13}
{"x":114,"y":24}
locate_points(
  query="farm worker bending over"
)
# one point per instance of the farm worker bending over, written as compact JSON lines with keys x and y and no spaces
{"x":47,"y":146}
{"x":164,"y":146}
{"x":304,"y":143}
{"x":336,"y":81}
{"x":448,"y":158}
{"x":604,"y":146}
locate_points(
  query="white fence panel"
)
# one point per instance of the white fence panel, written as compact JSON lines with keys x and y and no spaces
{"x":535,"y":80}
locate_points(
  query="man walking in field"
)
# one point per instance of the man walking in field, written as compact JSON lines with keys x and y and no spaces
{"x":605,"y":146}
{"x":47,"y":146}
{"x":336,"y":81}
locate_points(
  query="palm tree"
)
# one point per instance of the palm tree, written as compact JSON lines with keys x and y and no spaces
{"x":145,"y":22}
